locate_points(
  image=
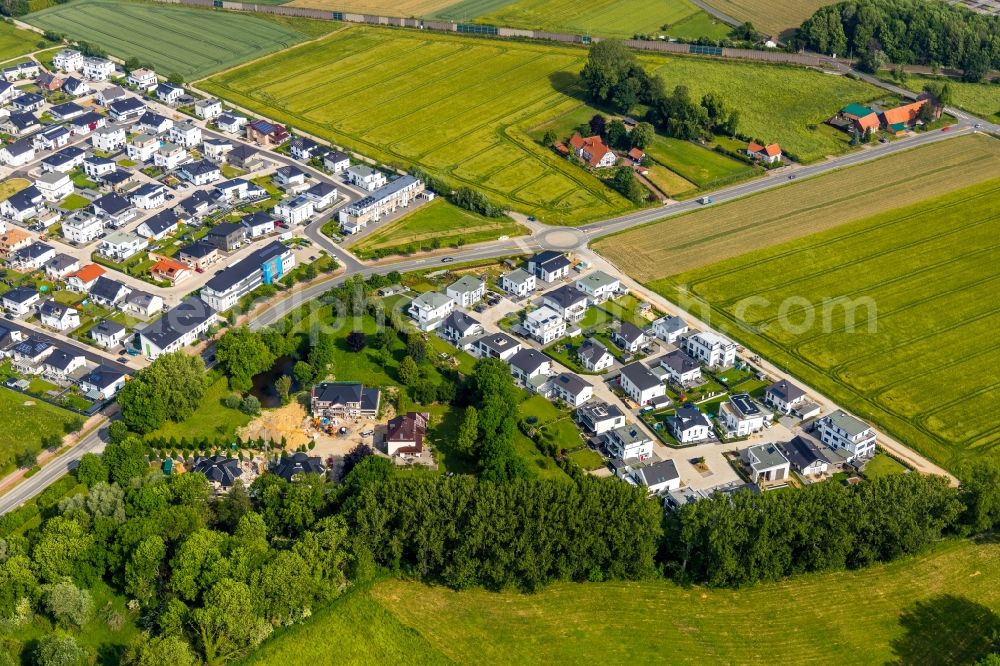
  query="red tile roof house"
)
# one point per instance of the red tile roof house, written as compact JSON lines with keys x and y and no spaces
{"x":770,"y":153}
{"x":405,"y":434}
{"x":861,"y":117}
{"x":593,"y":151}
{"x":901,"y":118}
{"x":636,"y":155}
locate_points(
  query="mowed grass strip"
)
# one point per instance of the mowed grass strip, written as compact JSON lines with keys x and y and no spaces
{"x":403,"y":8}
{"x":716,"y":233}
{"x":188,"y":41}
{"x":695,"y":163}
{"x":437,"y":221}
{"x":24,"y":420}
{"x":15,"y":42}
{"x":910,"y":346}
{"x":776,"y":17}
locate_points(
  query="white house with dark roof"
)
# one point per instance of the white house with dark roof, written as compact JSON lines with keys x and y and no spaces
{"x":689,"y":425}
{"x":142,"y":148}
{"x":336,"y":162}
{"x":153,"y":123}
{"x":344,"y":400}
{"x":430,"y":309}
{"x":594,"y":356}
{"x":628,"y":442}
{"x":710,"y":348}
{"x":185,"y":134}
{"x":102,"y":383}
{"x":23,"y":205}
{"x":599,"y":417}
{"x":142,"y":303}
{"x":639,"y":384}
{"x":108,"y":334}
{"x":460,"y":329}
{"x":20,"y":300}
{"x":549,"y":266}
{"x":58,"y":316}
{"x":97,"y":167}
{"x":231,"y":122}
{"x":669,"y":328}
{"x":169,"y":93}
{"x":658,"y":477}
{"x":629,"y":337}
{"x":570,"y":389}
{"x":52,"y":137}
{"x":599,"y":286}
{"x":60,"y":365}
{"x":108,"y":96}
{"x":544,"y":325}
{"x":681,"y":369}
{"x":496,"y":345}
{"x":530,"y":368}
{"x":177,"y":328}
{"x":741,"y":416}
{"x":765,"y":462}
{"x":114,"y":208}
{"x":18,"y":153}
{"x":33,"y":257}
{"x":841,"y":431}
{"x":567,"y":301}
{"x":295,"y":210}
{"x":200,"y":172}
{"x":518,"y":282}
{"x":784,"y":396}
{"x":54,"y":186}
{"x":322,"y":194}
{"x":208,"y":108}
{"x":82,"y":227}
{"x":110,"y":138}
{"x":466,"y":291}
{"x":109,"y":292}
{"x":810,"y":457}
{"x":148,"y":196}
{"x":159,"y":226}
{"x":61,"y":265}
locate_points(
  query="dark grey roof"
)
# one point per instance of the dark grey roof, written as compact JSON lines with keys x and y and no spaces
{"x":688,"y":417}
{"x":198,"y":249}
{"x":550,"y":260}
{"x":321,"y":189}
{"x":53,"y":308}
{"x":348,"y":392}
{"x":125,"y":105}
{"x":219,"y":469}
{"x":102,"y":376}
{"x":497,"y":342}
{"x":785,"y":390}
{"x":167,"y":87}
{"x":60,"y":359}
{"x":107,"y":327}
{"x":657,"y":473}
{"x":679,"y":362}
{"x":571,"y":383}
{"x":744,"y":404}
{"x":151,"y":118}
{"x":224,"y":230}
{"x":244,"y":268}
{"x":66,"y":109}
{"x":260,"y":218}
{"x":107,"y":289}
{"x":117,"y":176}
{"x":143,"y":299}
{"x":291,"y":171}
{"x":161,"y":222}
{"x":147,"y":189}
{"x":200,"y":167}
{"x":112,"y":92}
{"x":599,"y":411}
{"x":35,"y":250}
{"x":803,"y":451}
{"x":20,"y":147}
{"x":241,"y":152}
{"x":22,"y":120}
{"x":87,"y":119}
{"x":61,"y":262}
{"x":25,"y":199}
{"x":565,"y":296}
{"x":173,"y":324}
{"x":640,"y":375}
{"x":592,"y":349}
{"x":336,"y":156}
{"x":20,"y":295}
{"x":72,"y":83}
{"x":112,"y":204}
{"x":629,"y":332}
{"x":97,"y":160}
{"x":672,"y":323}
{"x":298,"y":463}
{"x":460,"y":321}
{"x":529,"y":360}
{"x":28,"y":99}
{"x":198,"y":199}
{"x":32,"y":347}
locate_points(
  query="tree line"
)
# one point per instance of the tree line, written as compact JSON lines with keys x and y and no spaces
{"x":926,"y":32}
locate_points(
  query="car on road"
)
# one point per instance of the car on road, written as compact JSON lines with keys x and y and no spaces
{"x":792,"y":176}
{"x":447,"y":260}
{"x":882,"y":139}
{"x":945,"y":129}
{"x":531,"y":218}
{"x":122,"y":359}
{"x":312,"y":257}
{"x":977,"y":126}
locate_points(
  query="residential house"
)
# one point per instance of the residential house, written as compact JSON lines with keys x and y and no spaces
{"x":904,"y":117}
{"x":126,"y":109}
{"x":109,"y":292}
{"x":20,"y":300}
{"x":233,"y":190}
{"x":28,"y":355}
{"x":810,"y":457}
{"x":628,"y":442}
{"x":76,"y":87}
{"x":265,"y":133}
{"x":66,"y":112}
{"x":570,"y":389}
{"x":120,"y":246}
{"x":159,"y":226}
{"x":231,"y":122}
{"x":518,"y":282}
{"x":61,"y":265}
{"x":216,"y":149}
{"x":549,"y":266}
{"x":637,"y":155}
{"x":97,"y":167}
{"x":843,"y":432}
{"x":669,"y":328}
{"x":142,"y":303}
{"x":201,"y":172}
{"x":430,"y":309}
{"x":335,"y":400}
{"x":769,"y":154}
{"x":102,"y":383}
{"x":227,"y":236}
{"x":185,"y":134}
{"x":261,"y":267}
{"x":599,"y":286}
{"x":28,"y":102}
{"x":496,"y":345}
{"x":304,"y":148}
{"x":765,"y":463}
{"x":83,"y":280}
{"x":258,"y":224}
{"x":459,"y":329}
{"x":530,"y":368}
{"x":599,"y":417}
{"x":784,"y":396}
{"x":208,"y":108}
{"x":569,"y":302}
{"x":405,"y":434}
{"x":68,"y":60}
{"x":60,"y":365}
{"x":82,"y":227}
{"x":108,"y":334}
{"x":689,"y":425}
{"x":169,"y":156}
{"x":22,"y":70}
{"x":19,"y":123}
{"x":142,"y":148}
{"x":32,"y":257}
{"x":659,"y":477}
{"x":110,"y":138}
{"x":381,"y":202}
{"x":681,"y":369}
{"x":170,"y":270}
{"x":18,"y":153}
{"x":639,"y":384}
{"x":365,"y":177}
{"x":336,"y":162}
{"x":168,"y":93}
{"x":13,"y":239}
{"x":629,"y":337}
{"x":593,"y":151}
{"x":244,"y":157}
{"x":297,"y":465}
{"x":98,"y":69}
{"x":544,"y":325}
{"x":142,"y":78}
{"x":52,"y":137}
{"x":65,"y":160}
{"x":322,"y":195}
{"x":467,"y":291}
{"x":58,"y":316}
{"x":199,"y":255}
{"x":116,"y":209}
{"x":153,"y":123}
{"x":594,"y":356}
{"x":23,"y":205}
{"x":148,"y":196}
{"x":859,"y":118}
{"x":8,"y":92}
{"x":294,"y":210}
{"x":221,"y":472}
{"x":741,"y":416}
{"x":711,"y":349}
{"x":177,"y":328}
{"x":110,"y":95}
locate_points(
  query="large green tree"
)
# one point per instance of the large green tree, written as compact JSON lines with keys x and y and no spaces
{"x":171,"y":387}
{"x":229,"y":624}
{"x":242,"y":353}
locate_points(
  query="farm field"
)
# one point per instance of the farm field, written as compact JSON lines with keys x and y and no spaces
{"x":22,"y":426}
{"x":440,"y":222}
{"x":907,"y":342}
{"x":911,"y":609}
{"x":606,"y":18}
{"x":774,"y":17}
{"x":675,"y":245}
{"x":15,"y":42}
{"x":442,"y":113}
{"x":705,"y":168}
{"x":405,"y":8}
{"x":188,"y":41}
{"x":981,"y":99}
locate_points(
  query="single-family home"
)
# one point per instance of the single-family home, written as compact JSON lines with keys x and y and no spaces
{"x":337,"y":400}
{"x":304,"y":148}
{"x":65,"y":160}
{"x":110,"y":95}
{"x":549,"y":266}
{"x":467,"y":291}
{"x":688,"y":425}
{"x":33,"y":257}
{"x":20,"y":300}
{"x":58,"y":316}
{"x":258,"y":224}
{"x":221,"y":472}
{"x":29,"y":102}
{"x":185,"y":134}
{"x":518,"y":282}
{"x":530,"y":368}
{"x":28,"y":355}
{"x":68,"y":60}
{"x":496,"y":345}
{"x":142,"y":148}
{"x":669,"y":328}
{"x":641,"y":385}
{"x":227,"y":236}
{"x":570,"y":389}
{"x":82,"y":227}
{"x":216,"y":149}
{"x":629,"y":337}
{"x":336,"y":162}
{"x":83,"y":280}
{"x":711,"y":349}
{"x":169,"y":93}
{"x":297,"y":465}
{"x":765,"y":462}
{"x":76,"y":87}
{"x":741,"y":416}
{"x":61,"y":265}
{"x":102,"y":383}
{"x":98,"y":167}
{"x":628,"y":442}
{"x":8,"y":92}
{"x":19,"y":123}
{"x":67,"y":111}
{"x":177,"y":328}
{"x":567,"y":301}
{"x":859,"y":118}
{"x":121,"y":245}
{"x":148,"y":196}
{"x":599,"y":417}
{"x":86,"y":123}
{"x":593,"y":151}
{"x":429,"y":310}
{"x":109,"y":292}
{"x":261,"y":267}
{"x":810,"y":457}
{"x":18,"y":153}
{"x":681,"y":369}
{"x":265,"y":133}
{"x":903,"y":117}
{"x":52,"y":137}
{"x":231,"y":122}
{"x":126,"y":108}
{"x":170,"y":270}
{"x":294,"y":210}
{"x":199,"y":255}
{"x":233,"y":190}
{"x":244,"y":157}
{"x":110,"y":138}
{"x":784,"y":396}
{"x":115,"y":209}
{"x":23,"y":205}
{"x":545,"y":325}
{"x":47,"y":82}
{"x":365,"y":177}
{"x":599,"y":286}
{"x":169,"y":156}
{"x":843,"y":432}
{"x":658,"y":477}
{"x":381,"y":202}
{"x":108,"y":333}
{"x":60,"y":365}
{"x":13,"y":239}
{"x":22,"y":70}
{"x":201,"y":172}
{"x":159,"y":226}
{"x":98,"y":69}
{"x":142,"y":78}
{"x":208,"y":108}
{"x":142,"y":303}
{"x":153,"y":123}
{"x":460,"y":329}
{"x":594,"y":356}
{"x":404,"y":434}
{"x":769,"y":154}
{"x":322,"y":194}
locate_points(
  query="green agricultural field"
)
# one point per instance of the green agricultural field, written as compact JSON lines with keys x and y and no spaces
{"x":889,"y":315}
{"x":606,"y":18}
{"x":462,"y":108}
{"x":910,"y":611}
{"x":436,"y":222}
{"x":774,"y":17}
{"x":697,"y":164}
{"x":981,"y":99}
{"x":23,"y":422}
{"x":173,"y":39}
{"x":15,"y":42}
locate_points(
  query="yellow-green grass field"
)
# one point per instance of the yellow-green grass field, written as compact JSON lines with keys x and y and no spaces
{"x":12,"y":186}
{"x":918,"y":282}
{"x":705,"y":168}
{"x":460,"y":108}
{"x":24,"y":420}
{"x":981,"y":99}
{"x":211,"y":420}
{"x":774,"y":17}
{"x":606,"y":18}
{"x":189,"y":41}
{"x":436,"y":221}
{"x":404,"y":8}
{"x":15,"y":42}
{"x":940,"y":608}
{"x":718,"y":232}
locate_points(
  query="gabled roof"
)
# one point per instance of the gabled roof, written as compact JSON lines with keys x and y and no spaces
{"x":905,"y":114}
{"x":571,"y":383}
{"x":679,"y":362}
{"x":657,"y":473}
{"x":25,"y":199}
{"x":592,"y":350}
{"x":630,"y":332}
{"x":107,"y":327}
{"x":409,"y":427}
{"x":106,"y":288}
{"x":529,"y":360}
{"x":298,"y":463}
{"x":640,"y":376}
{"x":88,"y":273}
{"x":339,"y":393}
{"x":112,"y":204}
{"x":126,"y":104}
{"x":53,"y":308}
{"x":102,"y":377}
{"x":173,"y":324}
{"x":22,"y":120}
{"x":258,"y":219}
{"x":460,"y":321}
{"x":193,"y":203}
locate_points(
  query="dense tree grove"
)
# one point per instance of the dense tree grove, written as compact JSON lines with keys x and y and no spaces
{"x":171,"y":387}
{"x":925,"y":32}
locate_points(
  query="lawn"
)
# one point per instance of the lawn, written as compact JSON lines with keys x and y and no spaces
{"x":74,"y":202}
{"x":587,"y":459}
{"x":211,"y":420}
{"x":24,"y":425}
{"x":173,"y":39}
{"x":773,"y":17}
{"x":12,"y":186}
{"x":606,"y":18}
{"x":436,"y":224}
{"x":890,"y":315}
{"x":680,"y":244}
{"x":909,"y":611}
{"x":15,"y":42}
{"x":462,"y":108}
{"x":981,"y":99}
{"x":699,"y":165}
{"x":883,"y":465}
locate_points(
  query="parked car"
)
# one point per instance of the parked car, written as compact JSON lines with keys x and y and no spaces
{"x":447,"y":260}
